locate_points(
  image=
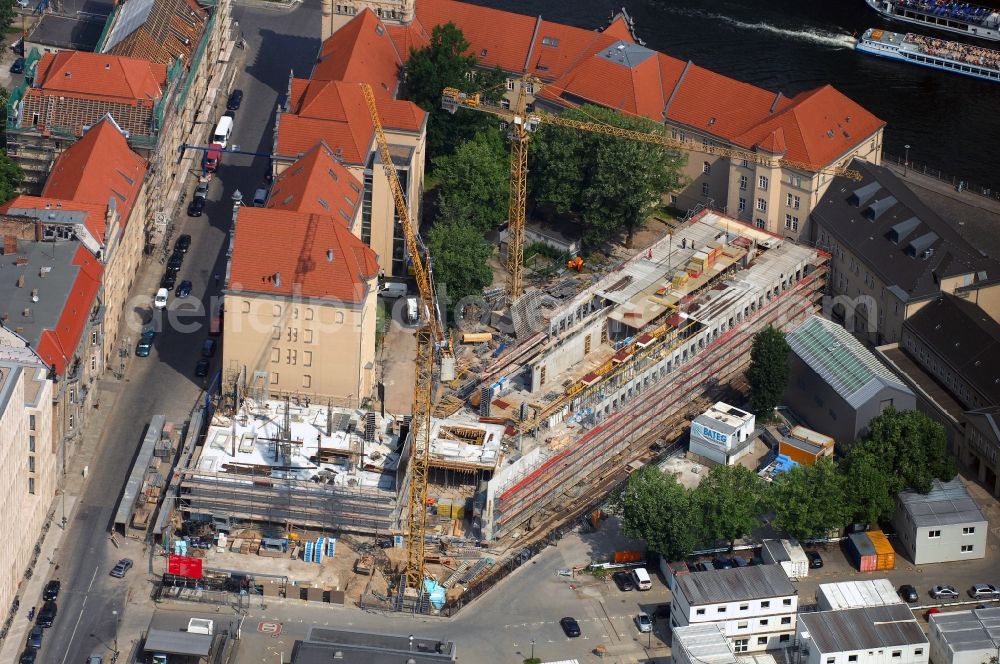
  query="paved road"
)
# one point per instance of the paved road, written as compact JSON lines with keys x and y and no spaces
{"x":278,"y":40}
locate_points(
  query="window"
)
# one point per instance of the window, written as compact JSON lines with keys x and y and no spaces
{"x":762,"y":205}
{"x":529,"y":88}
{"x":276,"y":332}
{"x":743,"y":625}
{"x":586,"y":345}
{"x":967,"y":548}
{"x":309,"y":313}
{"x":918,"y":651}
{"x":743,"y":205}
{"x":70,"y":422}
{"x":786,"y":602}
{"x":897,"y":653}
{"x":786,"y":620}
{"x":93,"y":363}
{"x":274,"y":378}
{"x":93,"y":338}
{"x":744,"y":607}
{"x":510,"y":84}
{"x":765,"y":604}
{"x":295,"y":313}
{"x":791,"y":223}
{"x":307,"y":358}
{"x":706,"y":168}
{"x":31,"y":464}
{"x":31,"y":485}
{"x":970,"y":530}
{"x":72,"y":395}
{"x":339,"y":317}
{"x":761,"y":223}
{"x":277,"y":310}
{"x":763,"y":622}
{"x":699,"y":612}
{"x":744,"y":181}
{"x":721,"y":609}
{"x":246,"y":306}
{"x":293,"y":334}
{"x":762,"y":183}
{"x":704,"y":189}
{"x":745,"y":164}
{"x":741,"y":645}
{"x":307,"y":380}
{"x":307,"y":336}
{"x":852,"y":658}
{"x":275,"y":355}
{"x":541,"y":381}
{"x":762,"y":640}
{"x":784,"y":638}
{"x":31,"y":443}
{"x":291,"y":356}
{"x":31,"y":422}
{"x":934,"y":533}
{"x":831,"y":660}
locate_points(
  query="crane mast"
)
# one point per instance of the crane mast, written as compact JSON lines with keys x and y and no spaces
{"x":428,"y":333}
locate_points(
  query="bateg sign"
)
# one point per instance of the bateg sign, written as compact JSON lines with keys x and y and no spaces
{"x":711,"y":434}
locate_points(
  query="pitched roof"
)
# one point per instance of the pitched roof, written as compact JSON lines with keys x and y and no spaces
{"x":92,"y":215}
{"x":360,"y":51}
{"x":57,"y":346}
{"x":947,"y":503}
{"x":868,"y":628}
{"x":299,"y":254}
{"x":842,"y":361}
{"x":895,"y":235}
{"x":156,"y":30}
{"x":733,"y":585}
{"x":317,"y":184}
{"x":99,"y":76}
{"x":965,"y":338}
{"x":101,"y":169}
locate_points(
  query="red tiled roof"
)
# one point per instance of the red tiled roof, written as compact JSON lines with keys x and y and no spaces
{"x":96,"y":214}
{"x":407,"y":37}
{"x":297,"y":135}
{"x":99,"y":76}
{"x":96,"y":169}
{"x":557,"y":47}
{"x":360,"y":51}
{"x":56,"y":347}
{"x":317,"y":184}
{"x":269,"y":243}
{"x":497,"y":38}
{"x":171,"y":29}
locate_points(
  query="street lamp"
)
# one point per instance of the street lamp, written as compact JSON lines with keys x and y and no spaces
{"x":532,"y":650}
{"x":115,"y":614}
{"x":906,"y":159}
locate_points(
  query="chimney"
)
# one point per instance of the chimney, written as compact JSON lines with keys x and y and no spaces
{"x":27,"y":312}
{"x":34,"y":295}
{"x":20,"y":281}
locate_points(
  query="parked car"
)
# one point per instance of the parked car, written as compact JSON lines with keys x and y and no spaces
{"x":643,"y":622}
{"x":909,"y":593}
{"x":168,"y":280}
{"x":196,"y":207}
{"x":47,"y":615}
{"x":175,"y":262}
{"x":160,"y":300}
{"x":52,"y":589}
{"x":201,"y":368}
{"x":17,"y":67}
{"x":208,"y":348}
{"x":943,"y":592}
{"x":123,"y":566}
{"x":35,"y":637}
{"x":722,"y":563}
{"x":143,"y":348}
{"x":28,"y":656}
{"x":201,"y":191}
{"x":740,"y":562}
{"x":623,"y":580}
{"x":183,"y":289}
{"x":235,"y":99}
{"x":815,"y":560}
{"x":662,"y":611}
{"x":182,"y":245}
{"x":95,"y":659}
{"x":984,"y":591}
{"x":570,"y":626}
{"x":703,"y":566}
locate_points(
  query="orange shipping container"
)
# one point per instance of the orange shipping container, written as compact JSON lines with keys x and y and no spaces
{"x":627,"y":556}
{"x":883,"y":549}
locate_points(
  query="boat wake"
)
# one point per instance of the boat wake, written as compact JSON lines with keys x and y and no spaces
{"x":821,"y":37}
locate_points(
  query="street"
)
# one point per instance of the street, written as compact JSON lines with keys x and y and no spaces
{"x":278,"y":40}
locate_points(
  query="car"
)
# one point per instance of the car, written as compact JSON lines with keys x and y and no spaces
{"x":909,"y":593}
{"x":95,"y":659}
{"x":175,"y":261}
{"x":160,"y":300}
{"x":201,"y":191}
{"x":815,"y":560}
{"x":28,"y":656}
{"x":35,"y":637}
{"x":930,"y":612}
{"x":52,"y":589}
{"x":47,"y":615}
{"x":123,"y":566}
{"x":196,"y":207}
{"x":168,"y":280}
{"x":624,"y":581}
{"x":570,"y":626}
{"x":208,"y":348}
{"x":984,"y":591}
{"x":662,"y":611}
{"x":201,"y":368}
{"x":182,"y":245}
{"x":643,"y":622}
{"x":722,"y":563}
{"x":17,"y":67}
{"x":703,"y":566}
{"x":143,"y":348}
{"x":183,"y":289}
{"x":740,"y":562}
{"x":943,"y":592}
{"x":235,"y":99}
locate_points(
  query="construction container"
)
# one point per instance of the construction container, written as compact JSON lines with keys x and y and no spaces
{"x":444,"y":508}
{"x":788,"y":554}
{"x":886,"y":556}
{"x":862,"y":552}
{"x":476,"y":337}
{"x":626,"y":557}
{"x":458,"y":510}
{"x":680,"y":279}
{"x":700,"y":259}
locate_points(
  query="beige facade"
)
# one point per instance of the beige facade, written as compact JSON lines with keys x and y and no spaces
{"x":337,"y":13}
{"x":28,"y":459}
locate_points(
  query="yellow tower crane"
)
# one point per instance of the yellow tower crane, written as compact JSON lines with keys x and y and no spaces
{"x":521,"y":124}
{"x":430,"y":335}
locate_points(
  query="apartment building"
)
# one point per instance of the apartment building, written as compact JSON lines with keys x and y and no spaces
{"x":869,"y":635}
{"x":329,"y":107}
{"x":755,"y":607}
{"x":790,"y":140}
{"x":890,"y":254}
{"x":28,"y":457}
{"x":944,"y":525}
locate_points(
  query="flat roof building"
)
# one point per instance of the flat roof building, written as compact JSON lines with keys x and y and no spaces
{"x":965,"y":637}
{"x":856,"y":594}
{"x":869,"y":635}
{"x":722,"y":434}
{"x":837,"y":385}
{"x":941,"y":526}
{"x":323,"y":645}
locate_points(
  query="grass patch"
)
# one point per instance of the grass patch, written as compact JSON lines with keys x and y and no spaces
{"x":380,"y":314}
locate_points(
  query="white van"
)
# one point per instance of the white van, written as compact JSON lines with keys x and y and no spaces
{"x":641,"y":578}
{"x":222,"y":131}
{"x":393,"y":289}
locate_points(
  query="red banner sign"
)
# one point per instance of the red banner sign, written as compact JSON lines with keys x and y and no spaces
{"x":184,"y":566}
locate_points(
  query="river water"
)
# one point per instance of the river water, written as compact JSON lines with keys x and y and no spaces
{"x":951,"y":122}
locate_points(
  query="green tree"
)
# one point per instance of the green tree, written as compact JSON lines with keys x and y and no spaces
{"x":657,"y":509}
{"x":11,"y":177}
{"x":912,"y":448}
{"x":6,"y":18}
{"x":730,"y":500}
{"x":611,"y":183}
{"x":460,"y":254}
{"x":474,"y":181}
{"x":768,"y":372}
{"x":808,"y":501}
{"x":867,"y":477}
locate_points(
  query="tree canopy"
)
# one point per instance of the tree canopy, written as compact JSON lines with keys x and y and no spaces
{"x":730,"y":501}
{"x":809,"y":501}
{"x":474,"y":181}
{"x":611,"y":184}
{"x":460,"y":255}
{"x":768,"y":372}
{"x":870,"y":497}
{"x":11,"y":177}
{"x":659,"y":510}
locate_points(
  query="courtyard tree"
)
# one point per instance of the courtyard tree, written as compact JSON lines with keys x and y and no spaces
{"x":460,"y":254}
{"x":657,"y":509}
{"x":768,"y":372}
{"x":809,"y":501}
{"x":730,"y":501}
{"x":474,"y":181}
{"x":867,"y":475}
{"x":11,"y":177}
{"x":910,"y":448}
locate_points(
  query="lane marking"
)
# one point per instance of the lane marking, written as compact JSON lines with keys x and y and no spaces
{"x":79,"y":617}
